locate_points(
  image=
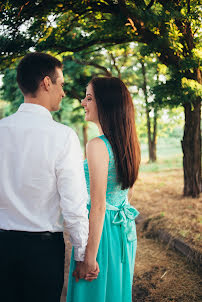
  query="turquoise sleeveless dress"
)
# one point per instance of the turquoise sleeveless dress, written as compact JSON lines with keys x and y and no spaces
{"x":117,"y":249}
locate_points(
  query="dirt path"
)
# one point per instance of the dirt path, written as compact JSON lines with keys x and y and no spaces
{"x":161,"y":275}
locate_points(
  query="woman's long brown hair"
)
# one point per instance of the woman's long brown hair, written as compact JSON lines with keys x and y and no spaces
{"x":117,"y":118}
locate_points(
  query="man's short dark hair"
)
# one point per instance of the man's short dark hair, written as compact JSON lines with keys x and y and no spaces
{"x":33,"y":68}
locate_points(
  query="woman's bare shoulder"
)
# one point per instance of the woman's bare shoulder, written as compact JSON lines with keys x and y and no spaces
{"x":96,"y":147}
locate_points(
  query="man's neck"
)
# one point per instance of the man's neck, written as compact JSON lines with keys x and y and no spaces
{"x":37,"y":101}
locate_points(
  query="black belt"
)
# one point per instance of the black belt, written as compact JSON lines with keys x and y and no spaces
{"x":44,"y":235}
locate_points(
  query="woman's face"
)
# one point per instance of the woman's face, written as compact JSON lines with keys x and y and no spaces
{"x":90,"y":106}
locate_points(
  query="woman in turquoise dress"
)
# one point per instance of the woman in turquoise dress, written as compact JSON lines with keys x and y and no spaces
{"x":111,"y":169}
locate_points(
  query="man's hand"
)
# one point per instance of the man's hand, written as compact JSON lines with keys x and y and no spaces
{"x":80,"y":271}
{"x":86,"y":270}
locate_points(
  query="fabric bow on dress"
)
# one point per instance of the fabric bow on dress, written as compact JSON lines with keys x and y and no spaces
{"x":125,"y":217}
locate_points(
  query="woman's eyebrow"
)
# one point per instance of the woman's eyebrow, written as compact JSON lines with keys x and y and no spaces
{"x":89,"y":94}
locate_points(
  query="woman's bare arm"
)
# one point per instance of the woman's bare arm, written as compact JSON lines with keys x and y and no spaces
{"x":98,"y":161}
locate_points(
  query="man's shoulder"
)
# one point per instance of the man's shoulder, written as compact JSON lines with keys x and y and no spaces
{"x":63,"y":129}
{"x":7,"y":119}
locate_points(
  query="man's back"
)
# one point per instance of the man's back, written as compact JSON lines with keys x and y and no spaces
{"x":32,"y":145}
{"x":42,"y":183}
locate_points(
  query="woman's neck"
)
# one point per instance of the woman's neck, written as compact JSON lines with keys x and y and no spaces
{"x":100,"y":129}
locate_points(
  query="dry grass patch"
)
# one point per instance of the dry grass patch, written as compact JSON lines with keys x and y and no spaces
{"x":160,"y":194}
{"x":161,"y":275}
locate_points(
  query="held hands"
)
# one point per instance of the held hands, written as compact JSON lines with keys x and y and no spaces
{"x":86,"y":270}
{"x":93,"y":274}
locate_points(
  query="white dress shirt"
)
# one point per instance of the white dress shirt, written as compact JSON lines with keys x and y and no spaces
{"x":42,"y":182}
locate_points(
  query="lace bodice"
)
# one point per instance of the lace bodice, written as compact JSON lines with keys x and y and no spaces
{"x":114,"y":195}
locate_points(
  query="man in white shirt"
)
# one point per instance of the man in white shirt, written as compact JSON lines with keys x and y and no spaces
{"x":42,"y":185}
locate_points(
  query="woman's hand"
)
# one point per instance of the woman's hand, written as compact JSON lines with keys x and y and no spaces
{"x":92,"y":265}
{"x":92,"y":275}
{"x":86,"y":270}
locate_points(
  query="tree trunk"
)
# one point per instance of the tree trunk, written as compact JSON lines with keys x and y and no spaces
{"x":191,"y":146}
{"x":149,"y":132}
{"x":153,"y":152}
{"x":151,"y":138}
{"x":154,"y":136}
{"x":85,"y":137}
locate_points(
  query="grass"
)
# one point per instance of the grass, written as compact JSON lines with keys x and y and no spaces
{"x":161,"y":275}
{"x":159,"y":194}
{"x":169,"y":156}
{"x":162,"y":164}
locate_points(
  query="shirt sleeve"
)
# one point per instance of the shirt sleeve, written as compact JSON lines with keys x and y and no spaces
{"x":73,"y":194}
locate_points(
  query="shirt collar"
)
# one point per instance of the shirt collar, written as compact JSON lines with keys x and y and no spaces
{"x":35,"y":108}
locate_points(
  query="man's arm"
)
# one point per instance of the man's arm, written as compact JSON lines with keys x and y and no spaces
{"x":73,"y":194}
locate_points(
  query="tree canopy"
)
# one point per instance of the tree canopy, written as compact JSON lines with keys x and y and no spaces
{"x":169,"y":29}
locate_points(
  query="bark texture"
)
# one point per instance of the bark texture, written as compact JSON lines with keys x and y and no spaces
{"x":152,"y":135}
{"x":191,"y":146}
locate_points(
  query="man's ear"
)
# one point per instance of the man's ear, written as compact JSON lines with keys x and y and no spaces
{"x":46,"y":83}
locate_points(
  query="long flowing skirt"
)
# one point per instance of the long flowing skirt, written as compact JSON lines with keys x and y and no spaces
{"x":114,"y":282}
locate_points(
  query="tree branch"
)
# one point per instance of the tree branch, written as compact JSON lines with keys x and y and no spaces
{"x":188,"y":6}
{"x":88,"y":63}
{"x":150,"y":4}
{"x":114,"y":64}
{"x":146,"y":34}
{"x":74,"y":94}
{"x":140,"y":3}
{"x":63,"y":48}
{"x":186,"y":31}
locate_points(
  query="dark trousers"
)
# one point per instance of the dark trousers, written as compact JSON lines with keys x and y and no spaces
{"x":31,"y":266}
